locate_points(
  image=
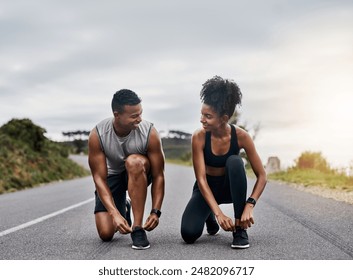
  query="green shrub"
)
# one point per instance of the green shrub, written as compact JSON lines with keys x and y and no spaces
{"x":28,"y":158}
{"x":312,"y":160}
{"x":25,"y":131}
{"x":312,"y":169}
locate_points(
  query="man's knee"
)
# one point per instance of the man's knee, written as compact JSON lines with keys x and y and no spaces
{"x":105,"y":235}
{"x":136,"y":164}
{"x":104,"y":226}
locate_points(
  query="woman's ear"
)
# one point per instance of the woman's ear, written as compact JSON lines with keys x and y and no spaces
{"x":225,"y":118}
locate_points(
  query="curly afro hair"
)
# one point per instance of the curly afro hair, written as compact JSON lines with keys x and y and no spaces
{"x":221,"y":94}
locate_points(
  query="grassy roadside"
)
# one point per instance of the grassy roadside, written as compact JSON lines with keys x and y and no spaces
{"x":317,"y":178}
{"x":306,"y":177}
{"x":28,"y":159}
{"x":22,"y":168}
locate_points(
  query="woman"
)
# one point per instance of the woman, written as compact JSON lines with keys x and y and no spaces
{"x":219,"y":170}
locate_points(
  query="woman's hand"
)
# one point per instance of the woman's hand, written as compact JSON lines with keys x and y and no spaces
{"x":225,"y":222}
{"x":247,"y":218}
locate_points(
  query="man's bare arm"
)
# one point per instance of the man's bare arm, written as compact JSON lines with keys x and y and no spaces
{"x":156,"y":158}
{"x":97,"y":163}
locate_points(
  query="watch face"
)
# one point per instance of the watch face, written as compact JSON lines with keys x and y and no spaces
{"x":157,"y":212}
{"x":251,"y":200}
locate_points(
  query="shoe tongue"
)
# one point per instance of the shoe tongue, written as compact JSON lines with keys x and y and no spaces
{"x":137,"y":228}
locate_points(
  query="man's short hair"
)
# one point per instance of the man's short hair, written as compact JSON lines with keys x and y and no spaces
{"x":124,"y":97}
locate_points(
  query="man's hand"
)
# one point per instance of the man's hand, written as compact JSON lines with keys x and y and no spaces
{"x":225,"y":222}
{"x":121,"y":224}
{"x":151,"y":222}
{"x":247,"y":218}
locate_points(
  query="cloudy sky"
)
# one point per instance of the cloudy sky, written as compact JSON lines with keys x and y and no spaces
{"x":61,"y":61}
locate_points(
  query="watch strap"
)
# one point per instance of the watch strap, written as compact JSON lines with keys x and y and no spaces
{"x":251,"y":201}
{"x":156,"y":211}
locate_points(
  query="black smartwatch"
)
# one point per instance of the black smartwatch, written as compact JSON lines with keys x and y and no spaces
{"x":156,"y":211}
{"x":251,"y":201}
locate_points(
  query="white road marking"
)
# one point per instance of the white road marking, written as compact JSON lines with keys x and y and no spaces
{"x":43,"y":218}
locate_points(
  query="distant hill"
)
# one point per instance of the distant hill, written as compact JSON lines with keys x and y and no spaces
{"x":28,"y":158}
{"x":176,"y":148}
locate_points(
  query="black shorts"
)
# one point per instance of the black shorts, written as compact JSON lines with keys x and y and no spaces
{"x":118,"y":186}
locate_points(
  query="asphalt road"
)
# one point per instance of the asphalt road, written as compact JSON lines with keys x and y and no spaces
{"x":56,"y":221}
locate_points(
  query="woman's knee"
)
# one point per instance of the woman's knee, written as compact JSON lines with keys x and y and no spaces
{"x":188,"y":235}
{"x":235,"y":162}
{"x":191,"y":229}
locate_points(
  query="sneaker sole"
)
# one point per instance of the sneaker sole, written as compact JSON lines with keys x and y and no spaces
{"x":240,"y":246}
{"x":140,"y":247}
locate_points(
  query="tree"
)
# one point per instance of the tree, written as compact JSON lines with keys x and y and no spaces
{"x":78,"y":140}
{"x":234,"y":119}
{"x":77,"y":134}
{"x":26,"y":131}
{"x":312,"y":160}
{"x":178,"y":134}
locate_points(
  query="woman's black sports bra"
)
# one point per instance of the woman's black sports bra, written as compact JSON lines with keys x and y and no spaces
{"x":220,"y":161}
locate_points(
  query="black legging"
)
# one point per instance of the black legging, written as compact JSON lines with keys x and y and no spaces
{"x":230,"y":188}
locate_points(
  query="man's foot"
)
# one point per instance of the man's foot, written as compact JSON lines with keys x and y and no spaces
{"x":139,"y":239}
{"x":240,"y":239}
{"x":128,"y":211}
{"x":212,"y":225}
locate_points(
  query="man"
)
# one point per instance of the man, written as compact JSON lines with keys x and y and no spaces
{"x":125,"y":154}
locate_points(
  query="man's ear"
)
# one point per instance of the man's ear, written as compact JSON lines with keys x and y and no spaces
{"x":116,"y":114}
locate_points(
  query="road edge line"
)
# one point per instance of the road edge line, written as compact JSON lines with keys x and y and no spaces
{"x":43,"y":218}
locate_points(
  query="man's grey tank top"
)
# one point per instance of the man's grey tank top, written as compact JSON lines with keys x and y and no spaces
{"x":117,"y":149}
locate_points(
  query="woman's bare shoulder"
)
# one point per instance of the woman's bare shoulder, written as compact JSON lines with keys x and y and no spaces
{"x":199,"y":136}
